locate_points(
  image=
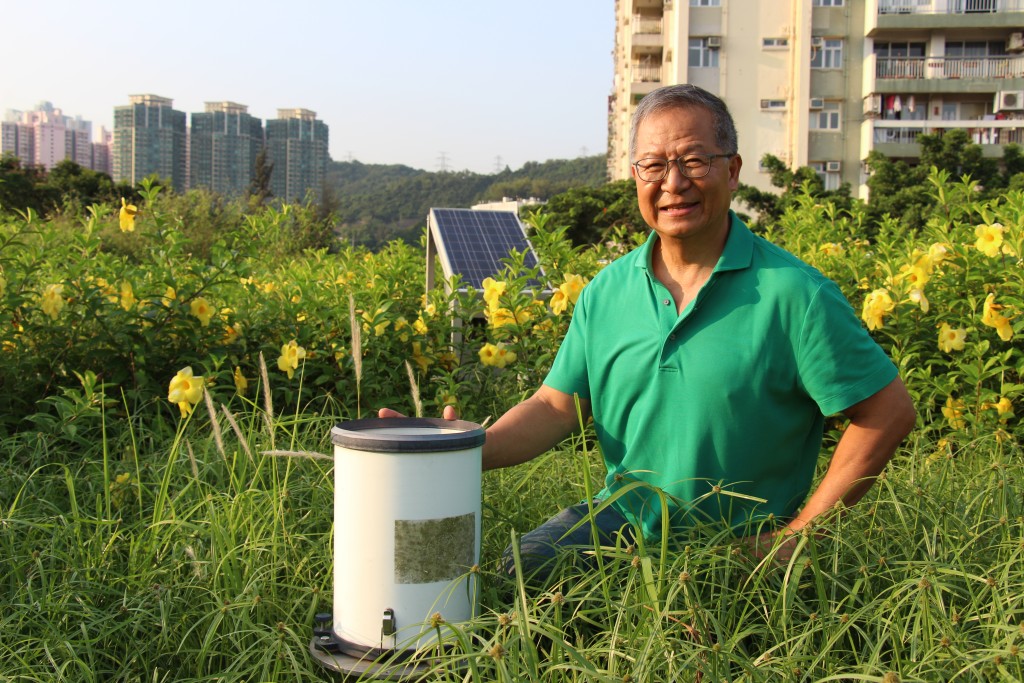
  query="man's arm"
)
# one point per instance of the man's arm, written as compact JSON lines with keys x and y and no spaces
{"x":877,"y":426}
{"x":532,"y":427}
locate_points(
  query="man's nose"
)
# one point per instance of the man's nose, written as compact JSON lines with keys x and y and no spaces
{"x":674,"y":178}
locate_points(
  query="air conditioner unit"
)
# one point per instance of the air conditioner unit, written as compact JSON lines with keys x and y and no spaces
{"x":873,"y":105}
{"x":833,"y":166}
{"x":817,"y":103}
{"x":817,"y":41}
{"x":773,"y":104}
{"x":1016,"y":42}
{"x":1009,"y":100}
{"x":714,"y":42}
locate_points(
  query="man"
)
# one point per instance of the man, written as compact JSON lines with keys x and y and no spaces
{"x":708,"y":359}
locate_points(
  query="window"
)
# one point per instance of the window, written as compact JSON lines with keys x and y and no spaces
{"x":831,"y":179}
{"x":827,"y":3}
{"x":829,"y":55}
{"x":705,"y":3}
{"x":975,"y":48}
{"x":701,"y":55}
{"x":826,"y":118}
{"x":774,"y":43}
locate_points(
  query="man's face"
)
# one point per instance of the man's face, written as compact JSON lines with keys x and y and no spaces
{"x":678,"y":207}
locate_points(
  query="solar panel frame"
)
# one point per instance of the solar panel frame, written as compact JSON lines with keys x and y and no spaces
{"x":472,"y":243}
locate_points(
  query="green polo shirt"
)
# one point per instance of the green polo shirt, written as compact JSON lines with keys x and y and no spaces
{"x":721,"y":407}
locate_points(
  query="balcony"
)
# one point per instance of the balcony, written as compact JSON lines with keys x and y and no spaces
{"x":645,"y":77}
{"x":949,"y":67}
{"x":949,"y":6}
{"x":647,"y":38}
{"x":939,"y":14}
{"x":899,"y":138}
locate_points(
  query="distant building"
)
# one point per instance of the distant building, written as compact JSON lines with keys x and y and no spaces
{"x":150,"y":137}
{"x":297,"y":146}
{"x":822,"y":83}
{"x":45,"y":137}
{"x":102,"y":160}
{"x":223,"y":144}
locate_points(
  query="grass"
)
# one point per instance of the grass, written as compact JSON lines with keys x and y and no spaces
{"x":195,"y":555}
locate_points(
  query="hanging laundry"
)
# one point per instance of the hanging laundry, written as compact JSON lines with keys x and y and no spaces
{"x":897,"y":105}
{"x":911,"y":105}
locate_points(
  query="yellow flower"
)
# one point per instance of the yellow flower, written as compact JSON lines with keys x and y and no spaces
{"x":53,"y":301}
{"x":917,"y":296}
{"x":419,"y":326}
{"x":493,"y":290}
{"x":447,"y":399}
{"x":993,"y":318}
{"x":559,"y":301}
{"x":876,"y":305}
{"x":430,"y":310}
{"x":127,"y":216}
{"x":291,"y":354}
{"x":1005,"y":408}
{"x":202,"y":309}
{"x":185,"y":390}
{"x":487,"y":353}
{"x":500,"y":317}
{"x":503,"y":356}
{"x":496,"y":355}
{"x":953,"y":411}
{"x":831,"y":249}
{"x":419,"y":358}
{"x":241,"y":383}
{"x":378,"y":328}
{"x":916,"y":276}
{"x":990,"y":238}
{"x":572,"y":286}
{"x":3,"y":284}
{"x":448,"y":360}
{"x":169,"y":296}
{"x":127,"y":296}
{"x":231,"y":333}
{"x":952,"y":339}
{"x":937,"y":253}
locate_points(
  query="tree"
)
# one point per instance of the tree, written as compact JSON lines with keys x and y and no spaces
{"x":19,"y":185}
{"x":589,"y":213}
{"x":259,"y":188}
{"x":769,"y":206}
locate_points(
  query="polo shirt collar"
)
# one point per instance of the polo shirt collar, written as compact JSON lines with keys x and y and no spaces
{"x":737,"y":255}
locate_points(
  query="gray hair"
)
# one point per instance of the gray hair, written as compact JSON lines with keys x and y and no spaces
{"x":683,"y":96}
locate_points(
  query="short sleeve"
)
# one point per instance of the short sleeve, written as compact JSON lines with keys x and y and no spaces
{"x":568,"y":373}
{"x":839,"y":364}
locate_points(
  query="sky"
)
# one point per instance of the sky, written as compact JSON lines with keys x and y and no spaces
{"x":434,"y":84}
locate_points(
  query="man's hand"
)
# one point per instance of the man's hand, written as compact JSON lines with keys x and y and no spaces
{"x":448,"y":413}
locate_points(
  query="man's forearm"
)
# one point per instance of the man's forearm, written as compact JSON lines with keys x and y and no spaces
{"x":877,"y":427}
{"x":532,"y":427}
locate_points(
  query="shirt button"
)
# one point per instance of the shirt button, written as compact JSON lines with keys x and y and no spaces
{"x":666,"y":302}
{"x":672,"y":336}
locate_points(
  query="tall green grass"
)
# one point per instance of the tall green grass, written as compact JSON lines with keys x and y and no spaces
{"x":196,"y":555}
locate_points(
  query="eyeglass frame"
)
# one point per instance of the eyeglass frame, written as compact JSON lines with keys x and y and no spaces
{"x":709,"y":158}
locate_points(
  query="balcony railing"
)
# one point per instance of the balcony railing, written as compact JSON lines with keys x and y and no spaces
{"x":949,"y":67}
{"x":949,"y":6}
{"x":642,"y":24}
{"x":981,"y":132}
{"x":646,"y":73}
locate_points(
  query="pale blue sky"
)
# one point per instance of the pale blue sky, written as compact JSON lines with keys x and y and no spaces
{"x":402,"y":81}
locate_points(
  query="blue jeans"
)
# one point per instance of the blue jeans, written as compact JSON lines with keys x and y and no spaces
{"x":538,"y":549}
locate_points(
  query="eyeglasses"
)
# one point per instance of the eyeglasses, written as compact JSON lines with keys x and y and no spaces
{"x":653,"y":169}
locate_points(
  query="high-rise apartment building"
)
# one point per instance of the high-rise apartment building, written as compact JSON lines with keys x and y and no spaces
{"x":45,"y":137}
{"x":101,"y":152}
{"x":821,"y":83}
{"x":223,"y":145}
{"x":150,"y":137}
{"x":297,"y":146}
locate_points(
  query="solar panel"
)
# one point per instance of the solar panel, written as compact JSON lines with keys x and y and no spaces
{"x":473,"y":243}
